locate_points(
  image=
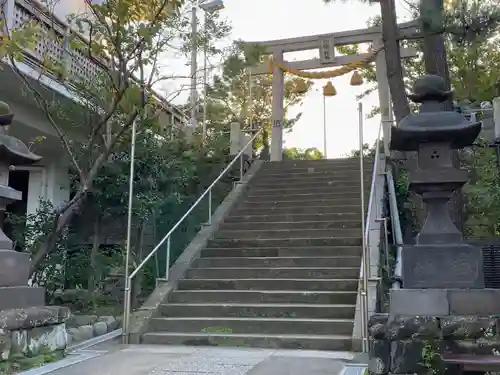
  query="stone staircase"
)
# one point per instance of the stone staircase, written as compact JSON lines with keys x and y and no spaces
{"x":282,"y":270}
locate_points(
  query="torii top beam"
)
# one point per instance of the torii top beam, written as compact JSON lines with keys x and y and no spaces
{"x":371,"y":34}
{"x":341,"y":38}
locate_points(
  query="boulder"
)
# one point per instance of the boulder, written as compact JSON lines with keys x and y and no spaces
{"x":100,"y":328}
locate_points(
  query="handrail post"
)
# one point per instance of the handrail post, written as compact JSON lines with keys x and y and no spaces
{"x":241,"y":166}
{"x":210,"y":207}
{"x":365,"y":257}
{"x":167,"y":261}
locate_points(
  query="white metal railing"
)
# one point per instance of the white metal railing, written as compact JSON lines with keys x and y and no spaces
{"x":396,"y":230}
{"x":365,"y":227}
{"x":53,"y":46}
{"x":166,"y":238}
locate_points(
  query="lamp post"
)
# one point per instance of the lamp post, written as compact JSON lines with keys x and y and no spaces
{"x":209,"y":7}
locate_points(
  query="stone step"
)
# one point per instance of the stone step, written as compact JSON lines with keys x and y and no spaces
{"x":293,"y":225}
{"x":333,"y":163}
{"x":317,"y":170}
{"x":329,"y":297}
{"x":255,"y":203}
{"x":271,"y":273}
{"x":262,"y":262}
{"x":333,"y":176}
{"x":304,"y":196}
{"x":283,"y":251}
{"x":252,"y":325}
{"x":296,"y":217}
{"x":282,"y":190}
{"x":269,"y":284}
{"x":311,"y":342}
{"x":296,"y":209}
{"x":339,"y":183}
{"x":289,"y":233}
{"x":284,"y":242}
{"x":312,"y":311}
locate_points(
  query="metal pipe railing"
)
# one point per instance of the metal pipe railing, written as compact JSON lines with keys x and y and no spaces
{"x":396,"y":228}
{"x":166,"y":238}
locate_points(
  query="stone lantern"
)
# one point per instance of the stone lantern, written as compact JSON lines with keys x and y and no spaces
{"x":14,"y":265}
{"x":440,"y":258}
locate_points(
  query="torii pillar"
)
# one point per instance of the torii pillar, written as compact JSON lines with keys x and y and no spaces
{"x":277,"y":109}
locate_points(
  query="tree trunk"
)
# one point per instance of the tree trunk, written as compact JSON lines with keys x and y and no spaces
{"x":93,"y":276}
{"x":432,"y":18}
{"x":393,"y":59}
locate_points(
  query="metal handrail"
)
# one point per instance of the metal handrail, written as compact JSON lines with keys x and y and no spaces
{"x":166,"y":238}
{"x":396,"y":230}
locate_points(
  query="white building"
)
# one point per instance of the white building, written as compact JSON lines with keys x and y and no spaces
{"x":49,"y":178}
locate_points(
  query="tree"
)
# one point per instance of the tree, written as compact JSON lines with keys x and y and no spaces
{"x":393,"y":57}
{"x":126,"y":42}
{"x":228,"y":98}
{"x":294,"y":153}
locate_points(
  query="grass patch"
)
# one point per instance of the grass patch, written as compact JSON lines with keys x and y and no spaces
{"x":18,"y":363}
{"x":217,"y":330}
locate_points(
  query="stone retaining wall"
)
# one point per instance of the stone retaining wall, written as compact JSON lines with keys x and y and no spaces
{"x":28,"y":331}
{"x":85,"y":327}
{"x":398,"y":342}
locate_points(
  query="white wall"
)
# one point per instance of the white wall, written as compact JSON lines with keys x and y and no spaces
{"x":49,"y":182}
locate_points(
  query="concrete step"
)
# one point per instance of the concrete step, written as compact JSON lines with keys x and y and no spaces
{"x":262,"y":262}
{"x":312,"y":311}
{"x":252,"y":325}
{"x":311,"y":342}
{"x":339,"y":183}
{"x":269,"y":284}
{"x":289,"y":233}
{"x":284,"y":190}
{"x":293,"y":225}
{"x":283,"y":251}
{"x":315,"y":170}
{"x":304,"y":196}
{"x":333,"y":163}
{"x":296,"y":209}
{"x":284,"y":242}
{"x":329,"y":297}
{"x":279,"y":217}
{"x":287,"y":178}
{"x":270,"y":273}
{"x":316,"y":202}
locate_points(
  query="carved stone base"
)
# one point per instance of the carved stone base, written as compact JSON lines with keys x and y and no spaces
{"x":445,"y":302}
{"x":442,"y":266}
{"x":19,"y":297}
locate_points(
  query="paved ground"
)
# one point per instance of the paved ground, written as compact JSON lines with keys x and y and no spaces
{"x":176,"y":360}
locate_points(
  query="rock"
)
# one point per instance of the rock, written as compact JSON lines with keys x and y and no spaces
{"x":82,"y":320}
{"x":119,"y":320}
{"x":49,"y":337}
{"x":406,"y":357}
{"x":85,"y":332}
{"x":401,"y":328}
{"x":5,"y":344}
{"x":100,"y":328}
{"x":110,"y":322}
{"x":75,"y":334}
{"x":468,"y":327}
{"x":380,"y":357}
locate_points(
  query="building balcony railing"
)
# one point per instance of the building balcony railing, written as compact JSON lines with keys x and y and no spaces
{"x":52,"y":48}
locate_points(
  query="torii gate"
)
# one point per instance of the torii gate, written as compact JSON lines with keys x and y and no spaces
{"x":326,"y":44}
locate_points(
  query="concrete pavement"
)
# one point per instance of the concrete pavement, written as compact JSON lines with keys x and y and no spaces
{"x":114,"y":359}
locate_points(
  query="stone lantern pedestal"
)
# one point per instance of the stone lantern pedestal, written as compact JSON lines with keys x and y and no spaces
{"x":442,"y":305}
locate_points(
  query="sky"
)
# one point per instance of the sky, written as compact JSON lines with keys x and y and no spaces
{"x":260,"y":20}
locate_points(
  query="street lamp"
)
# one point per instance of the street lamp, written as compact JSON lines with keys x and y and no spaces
{"x":209,"y":7}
